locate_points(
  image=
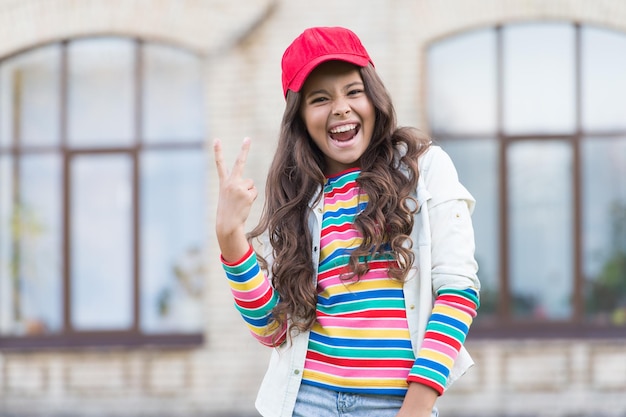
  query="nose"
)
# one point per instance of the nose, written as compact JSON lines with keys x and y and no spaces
{"x":341,"y":107}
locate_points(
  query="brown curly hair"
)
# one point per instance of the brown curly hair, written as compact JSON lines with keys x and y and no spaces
{"x":389,"y":175}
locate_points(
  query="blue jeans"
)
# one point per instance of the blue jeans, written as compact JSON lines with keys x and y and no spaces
{"x":319,"y":402}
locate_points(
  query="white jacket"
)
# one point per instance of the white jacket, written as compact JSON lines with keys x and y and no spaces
{"x":443,"y":242}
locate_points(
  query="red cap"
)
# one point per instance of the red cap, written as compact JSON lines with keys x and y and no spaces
{"x":316,"y":45}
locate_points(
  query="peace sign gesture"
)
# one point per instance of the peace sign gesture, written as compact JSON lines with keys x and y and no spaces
{"x":234,"y":203}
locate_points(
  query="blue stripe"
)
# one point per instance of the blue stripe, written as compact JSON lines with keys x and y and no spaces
{"x":336,"y":254}
{"x":383,"y":254}
{"x":245,"y":276}
{"x":348,"y":212}
{"x":340,"y":211}
{"x":361,"y":343}
{"x":371,"y":391}
{"x":361,"y":295}
{"x":256,"y":322}
{"x":450,"y":321}
{"x":435,"y":366}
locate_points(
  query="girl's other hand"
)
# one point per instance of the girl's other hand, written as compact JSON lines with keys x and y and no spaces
{"x":418,"y":402}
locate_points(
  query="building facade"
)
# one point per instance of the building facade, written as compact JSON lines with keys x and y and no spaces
{"x":112,"y":298}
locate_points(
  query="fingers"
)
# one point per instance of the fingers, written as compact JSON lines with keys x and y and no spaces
{"x":222,"y":172}
{"x":248,"y":184}
{"x":240,"y":162}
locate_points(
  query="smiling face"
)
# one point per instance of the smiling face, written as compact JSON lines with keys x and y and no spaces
{"x":338,"y":115}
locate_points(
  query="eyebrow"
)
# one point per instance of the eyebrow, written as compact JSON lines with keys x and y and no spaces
{"x":323,"y":91}
{"x":312,"y":93}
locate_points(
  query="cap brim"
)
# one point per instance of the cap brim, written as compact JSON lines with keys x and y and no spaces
{"x":299,"y":79}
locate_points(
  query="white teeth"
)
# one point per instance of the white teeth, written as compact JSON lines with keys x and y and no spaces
{"x":343,"y":128}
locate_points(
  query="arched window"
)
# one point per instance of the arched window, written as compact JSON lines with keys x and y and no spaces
{"x":101,"y":194}
{"x":534,"y":116}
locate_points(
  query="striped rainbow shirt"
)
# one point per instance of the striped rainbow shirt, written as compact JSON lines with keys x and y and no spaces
{"x":360,"y":342}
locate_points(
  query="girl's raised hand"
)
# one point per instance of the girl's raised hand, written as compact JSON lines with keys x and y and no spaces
{"x":235,"y":200}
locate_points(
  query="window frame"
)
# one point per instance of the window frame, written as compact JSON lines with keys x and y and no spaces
{"x":506,"y":326}
{"x":69,"y":337}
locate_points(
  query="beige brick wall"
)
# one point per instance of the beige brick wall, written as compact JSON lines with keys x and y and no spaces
{"x":241,"y":43}
{"x":541,"y":378}
{"x":200,"y":25}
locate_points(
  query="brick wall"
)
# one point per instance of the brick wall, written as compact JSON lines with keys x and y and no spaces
{"x":541,"y":378}
{"x":242,"y":47}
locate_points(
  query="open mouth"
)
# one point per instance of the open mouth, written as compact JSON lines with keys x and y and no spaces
{"x":344,"y":132}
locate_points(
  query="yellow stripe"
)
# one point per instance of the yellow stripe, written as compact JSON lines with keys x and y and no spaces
{"x":356,"y":382}
{"x":352,"y":202}
{"x":264,"y":330}
{"x":369,"y":333}
{"x":454,"y":313}
{"x":251,"y":284}
{"x":436,"y":357}
{"x":341,"y":244}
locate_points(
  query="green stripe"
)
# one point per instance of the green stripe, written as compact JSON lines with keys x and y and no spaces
{"x":338,"y":221}
{"x":338,"y":262}
{"x":339,"y":182}
{"x":351,"y":352}
{"x":243,"y":267}
{"x":468,"y":294}
{"x":379,"y":256}
{"x":362,"y":305}
{"x":429,"y":374}
{"x":447,"y":330}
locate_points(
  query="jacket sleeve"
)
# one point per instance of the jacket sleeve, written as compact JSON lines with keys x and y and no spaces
{"x":452,"y":232}
{"x":453,"y":271}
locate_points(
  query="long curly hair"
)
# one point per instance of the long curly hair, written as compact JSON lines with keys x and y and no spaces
{"x":389,"y":175}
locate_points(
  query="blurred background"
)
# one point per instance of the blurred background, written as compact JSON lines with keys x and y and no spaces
{"x":112,"y":298}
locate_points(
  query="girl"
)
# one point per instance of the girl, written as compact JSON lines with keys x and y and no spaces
{"x":366,"y":285}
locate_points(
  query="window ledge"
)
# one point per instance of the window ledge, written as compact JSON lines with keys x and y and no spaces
{"x":100,"y":340}
{"x":527,"y":330}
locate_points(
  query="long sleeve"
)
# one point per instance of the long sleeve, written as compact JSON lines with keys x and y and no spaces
{"x":254,"y":298}
{"x":453,"y":313}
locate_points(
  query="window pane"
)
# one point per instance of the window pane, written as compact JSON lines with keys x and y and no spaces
{"x":172,"y":241}
{"x":7,"y":264}
{"x":31,"y":243}
{"x":540,"y":209}
{"x":40,"y":242}
{"x":539,"y":78}
{"x":462,"y":84}
{"x":172,"y":95}
{"x":603,"y":81}
{"x":477,"y":164}
{"x":101,"y":245}
{"x":101,"y":92}
{"x":30,"y":95}
{"x":604,"y":229}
